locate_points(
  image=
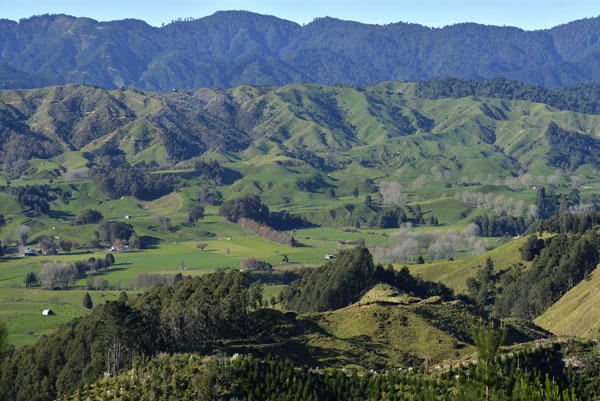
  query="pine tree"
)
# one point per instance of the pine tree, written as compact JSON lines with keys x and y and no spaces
{"x":87,"y":301}
{"x":487,"y":340}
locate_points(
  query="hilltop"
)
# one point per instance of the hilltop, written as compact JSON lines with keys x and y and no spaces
{"x":231,"y":48}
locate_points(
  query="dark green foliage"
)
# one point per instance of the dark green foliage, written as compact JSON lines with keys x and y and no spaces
{"x":124,"y":181}
{"x":569,"y":150}
{"x":2,"y":221}
{"x":389,"y":218}
{"x":110,"y":156}
{"x":212,"y":170}
{"x":120,"y":334}
{"x":251,"y":207}
{"x":498,"y":226}
{"x":341,"y":282}
{"x":110,"y":259}
{"x":563,"y":262}
{"x":35,"y":197}
{"x":196,"y":213}
{"x":88,"y":216}
{"x":420,"y":260}
{"x":566,"y":223}
{"x":209,"y":52}
{"x":482,"y":287}
{"x":87,"y":301}
{"x":579,"y":98}
{"x":334,"y":285}
{"x":213,"y":198}
{"x":112,"y":230}
{"x":3,"y":335}
{"x":547,"y":203}
{"x":308,"y":157}
{"x":531,"y":248}
{"x":488,"y":339}
{"x":31,"y":280}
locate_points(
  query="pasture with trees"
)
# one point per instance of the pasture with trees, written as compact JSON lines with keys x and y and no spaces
{"x":321,"y":232}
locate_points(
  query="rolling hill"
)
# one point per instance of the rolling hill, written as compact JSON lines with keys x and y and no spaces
{"x":369,"y":131}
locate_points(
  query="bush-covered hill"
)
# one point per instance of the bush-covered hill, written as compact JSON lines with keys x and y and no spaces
{"x":234,"y":47}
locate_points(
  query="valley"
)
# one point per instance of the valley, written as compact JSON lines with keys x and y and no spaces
{"x":365,"y":229}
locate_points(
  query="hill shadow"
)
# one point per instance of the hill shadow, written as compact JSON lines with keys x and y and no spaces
{"x":150,"y":242}
{"x":59,"y":214}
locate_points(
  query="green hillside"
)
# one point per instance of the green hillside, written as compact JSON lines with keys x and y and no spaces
{"x":576,"y":313}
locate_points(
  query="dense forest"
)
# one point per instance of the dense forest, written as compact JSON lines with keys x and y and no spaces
{"x":232,"y":48}
{"x":582,"y":98}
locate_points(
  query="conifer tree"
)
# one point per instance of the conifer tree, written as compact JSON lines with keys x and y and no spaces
{"x":87,"y":301}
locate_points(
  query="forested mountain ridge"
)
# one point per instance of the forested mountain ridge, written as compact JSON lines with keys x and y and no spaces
{"x":231,"y":48}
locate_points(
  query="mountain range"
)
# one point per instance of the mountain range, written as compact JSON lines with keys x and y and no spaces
{"x":232,"y":48}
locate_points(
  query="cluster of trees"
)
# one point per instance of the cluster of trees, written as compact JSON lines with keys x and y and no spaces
{"x":57,"y":275}
{"x":61,"y":275}
{"x":579,"y":98}
{"x":196,"y":213}
{"x":568,"y":222}
{"x":396,"y":217}
{"x":88,"y":216}
{"x":209,"y":197}
{"x":342,"y":282}
{"x":110,"y":156}
{"x":35,"y":197}
{"x":251,"y":263}
{"x":212,"y":170}
{"x":267,"y":232}
{"x":308,"y":157}
{"x":388,"y":218}
{"x":569,"y":150}
{"x":109,"y":231}
{"x":548,"y":203}
{"x":251,"y":207}
{"x":19,"y":144}
{"x":490,"y":201}
{"x":528,"y":181}
{"x":498,"y":226}
{"x":559,"y":263}
{"x":406,"y":245}
{"x":126,"y":181}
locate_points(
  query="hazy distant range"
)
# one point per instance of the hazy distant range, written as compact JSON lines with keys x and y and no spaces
{"x":231,"y":48}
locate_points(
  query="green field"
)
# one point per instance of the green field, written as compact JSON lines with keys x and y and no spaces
{"x":22,"y":310}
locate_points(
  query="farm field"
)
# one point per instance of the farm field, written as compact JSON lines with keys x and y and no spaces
{"x":21,"y":309}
